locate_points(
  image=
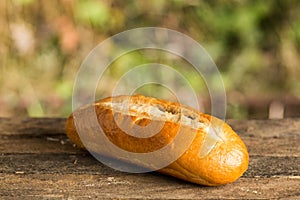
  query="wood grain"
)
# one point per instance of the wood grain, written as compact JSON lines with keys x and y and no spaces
{"x":37,"y":161}
{"x":83,"y":163}
{"x":142,"y":186}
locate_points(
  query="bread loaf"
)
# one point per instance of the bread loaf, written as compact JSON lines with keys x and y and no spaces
{"x":215,"y":155}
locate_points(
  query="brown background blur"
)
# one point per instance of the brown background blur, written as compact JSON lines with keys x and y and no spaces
{"x":255,"y":44}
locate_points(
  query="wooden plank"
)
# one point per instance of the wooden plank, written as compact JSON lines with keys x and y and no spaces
{"x":32,"y":126}
{"x":274,"y":128}
{"x":282,"y":146}
{"x":143,"y":186}
{"x":37,"y":145}
{"x":38,"y":161}
{"x":270,"y":137}
{"x":54,"y":126}
{"x":259,"y":166}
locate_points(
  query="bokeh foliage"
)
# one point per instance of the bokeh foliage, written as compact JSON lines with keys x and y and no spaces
{"x":255,"y":44}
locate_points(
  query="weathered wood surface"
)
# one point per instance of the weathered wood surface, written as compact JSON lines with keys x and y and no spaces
{"x":37,"y":161}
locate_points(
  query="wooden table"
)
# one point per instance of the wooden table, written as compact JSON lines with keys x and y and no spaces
{"x":37,"y":161}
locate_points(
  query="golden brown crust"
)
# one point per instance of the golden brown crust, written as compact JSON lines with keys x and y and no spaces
{"x":225,"y":162}
{"x":72,"y":133}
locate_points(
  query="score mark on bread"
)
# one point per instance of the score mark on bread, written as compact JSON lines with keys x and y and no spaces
{"x":215,"y":156}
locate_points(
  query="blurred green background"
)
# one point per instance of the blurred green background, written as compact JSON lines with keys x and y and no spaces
{"x":255,"y":44}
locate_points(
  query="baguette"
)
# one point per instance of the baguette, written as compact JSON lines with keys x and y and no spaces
{"x":216,"y":155}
